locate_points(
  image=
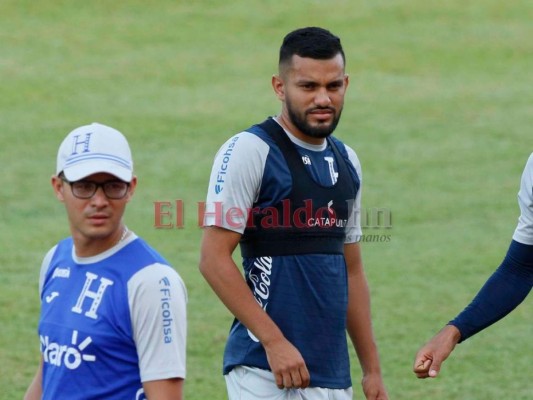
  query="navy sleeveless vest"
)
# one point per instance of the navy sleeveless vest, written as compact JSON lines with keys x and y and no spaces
{"x":312,"y":219}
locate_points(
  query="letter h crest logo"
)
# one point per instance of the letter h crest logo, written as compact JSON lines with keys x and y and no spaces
{"x":95,"y":296}
{"x":84,"y":143}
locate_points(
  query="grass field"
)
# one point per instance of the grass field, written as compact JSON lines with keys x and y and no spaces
{"x":439,"y":111}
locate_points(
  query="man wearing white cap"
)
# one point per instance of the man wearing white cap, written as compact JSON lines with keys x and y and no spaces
{"x":113,"y":311}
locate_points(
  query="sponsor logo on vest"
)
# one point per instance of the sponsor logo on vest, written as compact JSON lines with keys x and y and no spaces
{"x":221,"y":175}
{"x":326,"y":222}
{"x":260,"y":278}
{"x":301,"y":217}
{"x":70,"y":356}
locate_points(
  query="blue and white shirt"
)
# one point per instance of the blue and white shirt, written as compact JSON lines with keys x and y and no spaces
{"x":110,"y":322}
{"x":306,"y":295}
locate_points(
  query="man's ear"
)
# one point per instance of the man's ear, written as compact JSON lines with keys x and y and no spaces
{"x":279,"y":87}
{"x":131,"y":190}
{"x":58,"y":185}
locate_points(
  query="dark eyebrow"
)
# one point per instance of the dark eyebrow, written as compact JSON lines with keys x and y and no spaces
{"x":303,"y":82}
{"x":339,"y":81}
{"x":306,"y":82}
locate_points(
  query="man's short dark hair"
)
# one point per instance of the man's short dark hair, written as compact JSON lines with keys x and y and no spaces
{"x":310,"y":42}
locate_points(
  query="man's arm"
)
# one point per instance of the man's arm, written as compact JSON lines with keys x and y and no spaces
{"x":35,"y":391}
{"x":508,"y":286}
{"x":224,"y":277}
{"x":164,"y":389}
{"x":359,"y":324}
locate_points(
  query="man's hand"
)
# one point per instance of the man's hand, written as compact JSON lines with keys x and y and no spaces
{"x":287,"y":364}
{"x":429,"y":358}
{"x":373,"y":387}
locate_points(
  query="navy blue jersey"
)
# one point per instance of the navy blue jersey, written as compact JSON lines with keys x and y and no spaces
{"x":306,"y":295}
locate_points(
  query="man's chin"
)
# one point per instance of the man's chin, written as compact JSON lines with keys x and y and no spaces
{"x":320,"y":131}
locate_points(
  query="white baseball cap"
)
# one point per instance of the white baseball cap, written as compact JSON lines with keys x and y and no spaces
{"x":92,"y":149}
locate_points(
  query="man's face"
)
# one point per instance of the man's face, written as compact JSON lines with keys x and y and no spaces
{"x":312,"y":92}
{"x":93,"y":221}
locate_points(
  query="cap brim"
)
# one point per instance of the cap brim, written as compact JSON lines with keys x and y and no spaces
{"x":83,"y":170}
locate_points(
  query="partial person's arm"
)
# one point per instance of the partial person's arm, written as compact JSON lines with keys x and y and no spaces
{"x":508,"y":286}
{"x":164,"y":389}
{"x":359,"y":324}
{"x":35,"y":391}
{"x":223,"y":275}
{"x":502,"y":293}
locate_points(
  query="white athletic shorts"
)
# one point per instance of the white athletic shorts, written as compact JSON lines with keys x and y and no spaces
{"x":247,"y":383}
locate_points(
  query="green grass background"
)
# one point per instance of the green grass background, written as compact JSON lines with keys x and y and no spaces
{"x":438,"y":110}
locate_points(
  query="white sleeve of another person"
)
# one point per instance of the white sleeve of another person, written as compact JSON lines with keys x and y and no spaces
{"x":524,"y":229}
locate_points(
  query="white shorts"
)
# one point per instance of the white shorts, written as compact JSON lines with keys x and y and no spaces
{"x":247,"y":383}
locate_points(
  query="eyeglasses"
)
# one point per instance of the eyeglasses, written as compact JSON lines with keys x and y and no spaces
{"x":83,"y":189}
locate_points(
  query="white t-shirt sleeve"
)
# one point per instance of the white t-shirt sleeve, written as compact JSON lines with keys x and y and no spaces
{"x":157,"y":299}
{"x":235,"y":181}
{"x":44,"y":267}
{"x":524,"y":229}
{"x":353,"y":228}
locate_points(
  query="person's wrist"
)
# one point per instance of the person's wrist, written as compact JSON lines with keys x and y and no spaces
{"x":371,"y":376}
{"x":452,"y":333}
{"x":271,"y":337}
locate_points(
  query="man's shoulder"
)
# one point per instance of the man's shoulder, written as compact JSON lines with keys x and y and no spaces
{"x":348,"y":152}
{"x":145,"y":252}
{"x":529,"y":164}
{"x":246,"y":148}
{"x":258,"y":134}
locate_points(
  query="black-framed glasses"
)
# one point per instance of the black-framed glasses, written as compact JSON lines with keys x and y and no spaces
{"x":85,"y":189}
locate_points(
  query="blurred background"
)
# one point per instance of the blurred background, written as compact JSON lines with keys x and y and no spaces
{"x":439,"y":111}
